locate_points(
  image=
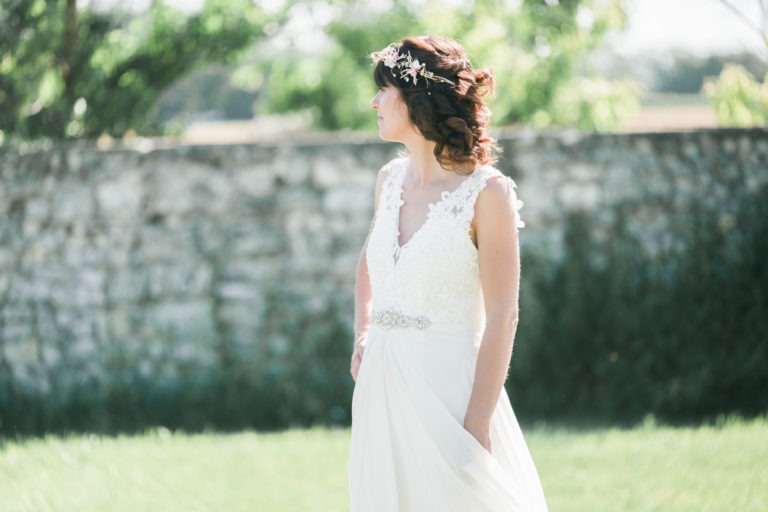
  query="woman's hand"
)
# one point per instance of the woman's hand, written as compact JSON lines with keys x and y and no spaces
{"x":480,"y":431}
{"x":357,"y":354}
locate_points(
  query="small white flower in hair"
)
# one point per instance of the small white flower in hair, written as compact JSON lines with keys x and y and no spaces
{"x":390,"y":56}
{"x":410,"y":68}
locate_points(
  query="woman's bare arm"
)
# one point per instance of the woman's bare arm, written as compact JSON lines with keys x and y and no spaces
{"x":363,"y":293}
{"x":495,"y":225}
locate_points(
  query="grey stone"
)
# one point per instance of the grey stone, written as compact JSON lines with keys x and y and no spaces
{"x":249,"y":270}
{"x":301,"y":199}
{"x":127,"y":285}
{"x":19,"y":347}
{"x":258,"y":181}
{"x":179,"y":279}
{"x":691,"y":150}
{"x":292,"y":168}
{"x":184,"y":186}
{"x":189,"y":321}
{"x":247,"y":314}
{"x":643,"y":146}
{"x":326,"y":173}
{"x":620,"y":184}
{"x":72,"y":202}
{"x":119,"y":199}
{"x":583,"y":172}
{"x":579,"y":197}
{"x":163,"y":243}
{"x":346,"y":198}
{"x":237,"y":291}
{"x":256,"y":242}
{"x":118,"y":323}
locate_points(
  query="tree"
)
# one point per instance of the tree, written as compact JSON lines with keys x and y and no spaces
{"x":537,"y":49}
{"x":738,"y":98}
{"x":69,"y":71}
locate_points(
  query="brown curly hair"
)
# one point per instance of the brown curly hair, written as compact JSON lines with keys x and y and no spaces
{"x":453,"y":115}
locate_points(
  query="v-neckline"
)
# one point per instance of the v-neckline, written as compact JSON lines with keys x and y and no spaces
{"x":444,"y":196}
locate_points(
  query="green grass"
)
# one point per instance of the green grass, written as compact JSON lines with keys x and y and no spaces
{"x":722,"y":468}
{"x":649,"y":468}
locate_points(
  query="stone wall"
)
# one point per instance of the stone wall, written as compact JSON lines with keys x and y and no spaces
{"x":127,"y":265}
{"x":651,"y":178}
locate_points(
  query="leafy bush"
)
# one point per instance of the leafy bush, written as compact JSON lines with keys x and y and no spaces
{"x":739,"y":99}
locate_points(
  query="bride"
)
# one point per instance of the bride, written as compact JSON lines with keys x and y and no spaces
{"x":436,"y":301}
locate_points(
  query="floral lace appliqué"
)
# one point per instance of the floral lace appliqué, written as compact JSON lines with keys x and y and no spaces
{"x":435,"y":272}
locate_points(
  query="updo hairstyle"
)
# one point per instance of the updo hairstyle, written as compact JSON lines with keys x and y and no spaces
{"x":453,"y":115}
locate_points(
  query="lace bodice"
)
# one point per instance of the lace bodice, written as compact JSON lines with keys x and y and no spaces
{"x":434,"y":273}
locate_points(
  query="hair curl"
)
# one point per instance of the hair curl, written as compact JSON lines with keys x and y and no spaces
{"x":453,"y":115}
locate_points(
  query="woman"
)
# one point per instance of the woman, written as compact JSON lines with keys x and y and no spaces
{"x":436,"y":301}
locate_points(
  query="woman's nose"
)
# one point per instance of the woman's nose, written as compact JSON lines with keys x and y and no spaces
{"x":375,"y":101}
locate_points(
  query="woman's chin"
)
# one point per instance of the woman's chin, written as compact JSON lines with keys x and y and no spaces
{"x":387,"y":136}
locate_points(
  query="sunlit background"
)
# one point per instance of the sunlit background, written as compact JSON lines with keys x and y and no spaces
{"x":599,"y":65}
{"x":185,"y":187}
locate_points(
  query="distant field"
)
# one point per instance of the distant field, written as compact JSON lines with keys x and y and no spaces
{"x":670,"y":112}
{"x":644,"y":469}
{"x":668,"y":100}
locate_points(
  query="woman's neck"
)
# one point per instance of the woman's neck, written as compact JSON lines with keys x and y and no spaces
{"x":424,"y":164}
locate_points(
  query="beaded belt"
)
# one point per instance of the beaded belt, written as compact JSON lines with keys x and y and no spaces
{"x":389,"y":319}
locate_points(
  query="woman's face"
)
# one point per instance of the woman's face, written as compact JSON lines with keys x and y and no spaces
{"x":394,"y":122}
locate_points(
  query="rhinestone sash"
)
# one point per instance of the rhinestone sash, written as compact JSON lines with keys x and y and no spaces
{"x":389,"y":318}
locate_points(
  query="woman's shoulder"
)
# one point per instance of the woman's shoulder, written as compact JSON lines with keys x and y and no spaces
{"x":393,"y":166}
{"x":387,"y":177}
{"x":489,"y":174}
{"x":489,"y":180}
{"x":391,"y":171}
{"x":497,"y":194}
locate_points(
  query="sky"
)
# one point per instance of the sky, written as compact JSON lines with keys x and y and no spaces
{"x":700,"y":26}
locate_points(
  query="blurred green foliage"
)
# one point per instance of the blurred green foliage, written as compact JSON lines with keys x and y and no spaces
{"x":537,"y":49}
{"x":71,"y":71}
{"x":739,"y":100}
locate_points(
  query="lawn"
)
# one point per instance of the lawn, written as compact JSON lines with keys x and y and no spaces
{"x":649,"y":468}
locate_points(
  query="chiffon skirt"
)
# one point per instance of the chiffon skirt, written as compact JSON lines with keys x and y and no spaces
{"x":409,"y":451}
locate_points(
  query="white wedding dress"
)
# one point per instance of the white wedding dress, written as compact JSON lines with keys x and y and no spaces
{"x":409,"y":451}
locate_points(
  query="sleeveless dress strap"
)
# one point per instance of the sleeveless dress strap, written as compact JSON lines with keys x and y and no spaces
{"x":479,"y":180}
{"x":390,"y":194}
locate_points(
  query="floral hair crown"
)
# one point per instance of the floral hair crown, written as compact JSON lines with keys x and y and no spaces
{"x":408,"y":67}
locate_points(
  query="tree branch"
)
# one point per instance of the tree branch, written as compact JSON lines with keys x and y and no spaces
{"x":744,"y":17}
{"x":68,"y":48}
{"x":764,"y":18}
